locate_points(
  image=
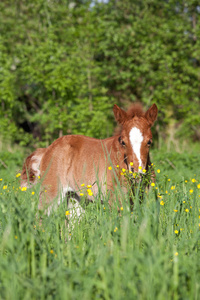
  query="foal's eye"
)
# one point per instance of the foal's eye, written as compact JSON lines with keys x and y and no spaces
{"x":121,"y":141}
{"x":149,"y":142}
{"x":123,"y":144}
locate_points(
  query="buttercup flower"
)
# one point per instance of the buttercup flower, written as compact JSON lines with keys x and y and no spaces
{"x":176,"y":231}
{"x":18,"y":175}
{"x":152,"y":184}
{"x":109,"y":168}
{"x":67,"y":213}
{"x":90,"y":193}
{"x":162,"y":202}
{"x":158,"y":171}
{"x":131,"y":163}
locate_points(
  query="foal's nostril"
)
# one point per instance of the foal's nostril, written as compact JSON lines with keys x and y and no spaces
{"x":132,"y":169}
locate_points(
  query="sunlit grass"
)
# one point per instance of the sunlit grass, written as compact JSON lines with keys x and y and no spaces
{"x":148,"y":252}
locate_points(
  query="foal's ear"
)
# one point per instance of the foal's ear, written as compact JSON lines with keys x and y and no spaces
{"x":151,"y":114}
{"x":120,"y":114}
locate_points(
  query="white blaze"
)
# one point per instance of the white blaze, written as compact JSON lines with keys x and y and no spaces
{"x":136,"y":139}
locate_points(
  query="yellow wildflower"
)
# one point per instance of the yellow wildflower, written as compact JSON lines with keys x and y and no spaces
{"x":81,"y":194}
{"x":173,"y":187}
{"x":131,"y":163}
{"x":123,"y":170}
{"x":109,"y":168}
{"x":158,"y":171}
{"x":169,"y":179}
{"x":152,"y":184}
{"x":191,"y":191}
{"x":51,"y":251}
{"x":140,"y":168}
{"x":175,"y":210}
{"x":5,"y":187}
{"x":144,"y":171}
{"x":176,"y":231}
{"x":39,"y":177}
{"x":162,"y":202}
{"x":67,"y":213}
{"x":186,"y":210}
{"x":117,"y":166}
{"x":18,"y":175}
{"x":121,"y":208}
{"x":193,"y":180}
{"x":198,"y":186}
{"x":33,"y":193}
{"x":186,"y":181}
{"x":83,"y":184}
{"x":176,"y":253}
{"x":24,"y":188}
{"x":90,"y":193}
{"x":89,"y":186}
{"x":1,"y":179}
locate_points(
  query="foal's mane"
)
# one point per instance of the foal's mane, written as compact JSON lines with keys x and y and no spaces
{"x":134,"y":110}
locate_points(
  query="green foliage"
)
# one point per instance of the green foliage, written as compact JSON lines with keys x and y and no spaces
{"x":65,"y":63}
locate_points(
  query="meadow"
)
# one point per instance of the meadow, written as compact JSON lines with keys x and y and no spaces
{"x":152,"y":252}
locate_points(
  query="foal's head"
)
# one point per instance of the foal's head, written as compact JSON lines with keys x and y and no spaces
{"x":136,"y":136}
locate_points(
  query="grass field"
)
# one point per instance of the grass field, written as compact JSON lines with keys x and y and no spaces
{"x":150,"y":253}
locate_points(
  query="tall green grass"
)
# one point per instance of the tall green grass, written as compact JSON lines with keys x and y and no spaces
{"x":152,"y":252}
